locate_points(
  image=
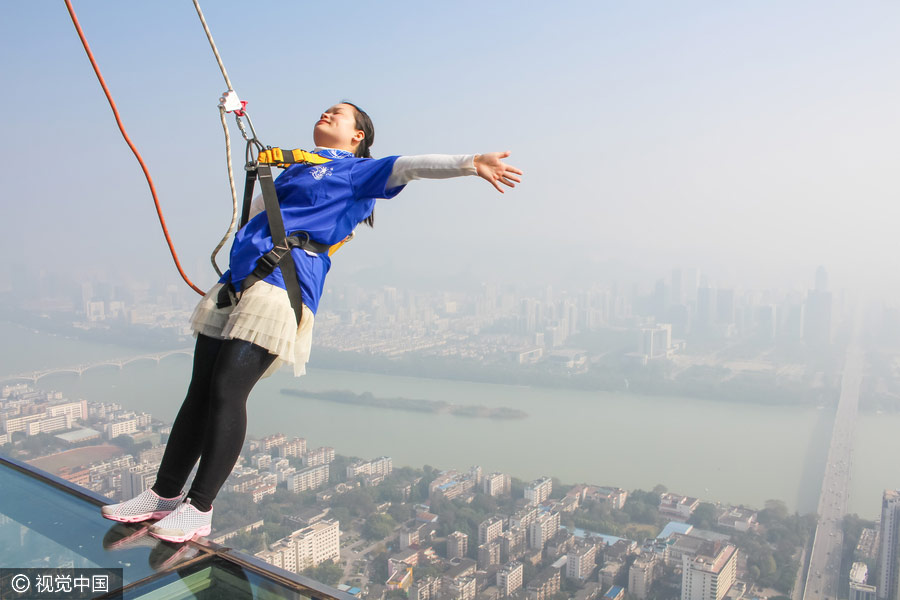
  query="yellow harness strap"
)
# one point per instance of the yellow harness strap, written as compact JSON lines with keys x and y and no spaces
{"x":282,"y":159}
{"x":277,"y":157}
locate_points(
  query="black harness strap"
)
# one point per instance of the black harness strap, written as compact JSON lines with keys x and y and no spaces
{"x":248,"y":196}
{"x":280,"y":255}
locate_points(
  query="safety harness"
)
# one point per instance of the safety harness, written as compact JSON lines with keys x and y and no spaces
{"x":280,"y":255}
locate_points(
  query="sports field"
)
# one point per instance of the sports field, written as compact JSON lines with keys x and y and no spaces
{"x":75,"y":457}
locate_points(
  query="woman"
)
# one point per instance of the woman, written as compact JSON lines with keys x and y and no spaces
{"x":239,"y":344}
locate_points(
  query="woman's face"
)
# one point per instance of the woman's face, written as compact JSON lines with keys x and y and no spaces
{"x":336,"y":128}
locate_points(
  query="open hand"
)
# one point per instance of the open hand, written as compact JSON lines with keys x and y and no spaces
{"x":492,"y":169}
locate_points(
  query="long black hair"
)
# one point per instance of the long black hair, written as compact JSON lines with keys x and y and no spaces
{"x":364,"y":123}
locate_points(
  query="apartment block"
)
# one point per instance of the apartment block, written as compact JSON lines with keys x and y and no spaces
{"x":544,"y":528}
{"x":382,"y":465}
{"x":268,"y":443}
{"x":488,"y":555}
{"x":642,"y":574}
{"x":427,"y":588}
{"x":512,"y":543}
{"x":543,"y":585}
{"x":581,"y":562}
{"x":709,"y":577}
{"x":489,"y":530}
{"x":305,"y":548}
{"x":460,"y":588}
{"x":457,"y":545}
{"x":496,"y":484}
{"x":310,"y":478}
{"x":538,"y":490}
{"x":509,"y":578}
{"x":293,"y":447}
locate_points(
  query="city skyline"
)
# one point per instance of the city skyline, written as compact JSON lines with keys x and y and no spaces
{"x":737,"y":137}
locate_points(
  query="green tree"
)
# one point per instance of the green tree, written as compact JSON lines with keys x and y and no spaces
{"x":378,"y":526}
{"x":704,"y":516}
{"x":328,"y":572}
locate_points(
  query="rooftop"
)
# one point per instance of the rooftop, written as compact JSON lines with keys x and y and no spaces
{"x":59,"y":525}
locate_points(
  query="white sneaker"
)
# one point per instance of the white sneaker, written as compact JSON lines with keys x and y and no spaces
{"x":183,"y":523}
{"x":146,"y":505}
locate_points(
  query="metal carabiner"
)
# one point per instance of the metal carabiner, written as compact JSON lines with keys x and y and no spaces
{"x":250,"y":159}
{"x":239,"y":118}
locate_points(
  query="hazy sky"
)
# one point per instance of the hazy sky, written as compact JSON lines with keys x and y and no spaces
{"x":754,"y":140}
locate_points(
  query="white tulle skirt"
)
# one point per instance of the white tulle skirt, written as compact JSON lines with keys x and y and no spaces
{"x":262,"y":316}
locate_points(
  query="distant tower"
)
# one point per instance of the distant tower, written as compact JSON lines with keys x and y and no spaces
{"x":817,"y":328}
{"x":821,"y":279}
{"x":677,"y":287}
{"x":889,"y":553}
{"x":725,"y":306}
{"x":706,"y":309}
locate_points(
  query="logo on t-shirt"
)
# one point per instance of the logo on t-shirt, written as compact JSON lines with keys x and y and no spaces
{"x":320,"y":171}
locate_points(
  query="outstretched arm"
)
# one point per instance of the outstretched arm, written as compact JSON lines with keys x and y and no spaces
{"x":443,"y":166}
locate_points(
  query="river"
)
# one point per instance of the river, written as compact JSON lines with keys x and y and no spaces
{"x":715,"y":450}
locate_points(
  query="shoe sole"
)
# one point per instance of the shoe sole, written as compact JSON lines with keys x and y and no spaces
{"x":137,"y":518}
{"x":183,"y":538}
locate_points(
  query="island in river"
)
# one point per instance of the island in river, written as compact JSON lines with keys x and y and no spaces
{"x":410,"y":404}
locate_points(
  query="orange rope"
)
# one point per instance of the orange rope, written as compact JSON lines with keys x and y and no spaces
{"x":137,"y":155}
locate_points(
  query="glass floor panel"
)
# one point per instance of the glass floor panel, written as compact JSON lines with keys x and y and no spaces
{"x":48,"y":522}
{"x":43,"y":526}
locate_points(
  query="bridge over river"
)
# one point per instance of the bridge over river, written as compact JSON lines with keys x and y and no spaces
{"x":822,"y":576}
{"x":35,"y":376}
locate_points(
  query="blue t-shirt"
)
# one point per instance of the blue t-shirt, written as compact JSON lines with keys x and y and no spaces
{"x":328,"y":201}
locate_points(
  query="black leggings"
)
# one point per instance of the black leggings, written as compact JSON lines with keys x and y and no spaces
{"x":212,"y":422}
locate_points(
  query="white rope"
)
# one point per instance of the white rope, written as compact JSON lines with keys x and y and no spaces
{"x":234,"y":211}
{"x":234,"y":199}
{"x":213,"y":45}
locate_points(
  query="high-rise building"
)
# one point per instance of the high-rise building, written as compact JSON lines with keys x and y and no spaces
{"x":725,"y":306}
{"x":655,"y":342}
{"x":383,"y":465}
{"x":709,"y":577}
{"x":489,"y":530}
{"x":512,"y":543}
{"x":488,"y":555}
{"x":457,"y":545}
{"x":509,"y":578}
{"x":581,"y":561}
{"x":817,"y":325}
{"x":706,"y":309}
{"x":888,"y":587}
{"x":544,"y":528}
{"x":138,"y":479}
{"x":766,"y":320}
{"x":496,"y":484}
{"x":307,"y":479}
{"x":641,"y":576}
{"x":677,"y":294}
{"x":538,"y":490}
{"x":306,"y":547}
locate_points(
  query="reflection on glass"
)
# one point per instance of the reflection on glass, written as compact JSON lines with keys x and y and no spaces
{"x":215,"y":578}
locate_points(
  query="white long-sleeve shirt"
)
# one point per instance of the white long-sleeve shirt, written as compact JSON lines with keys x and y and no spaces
{"x":409,"y":168}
